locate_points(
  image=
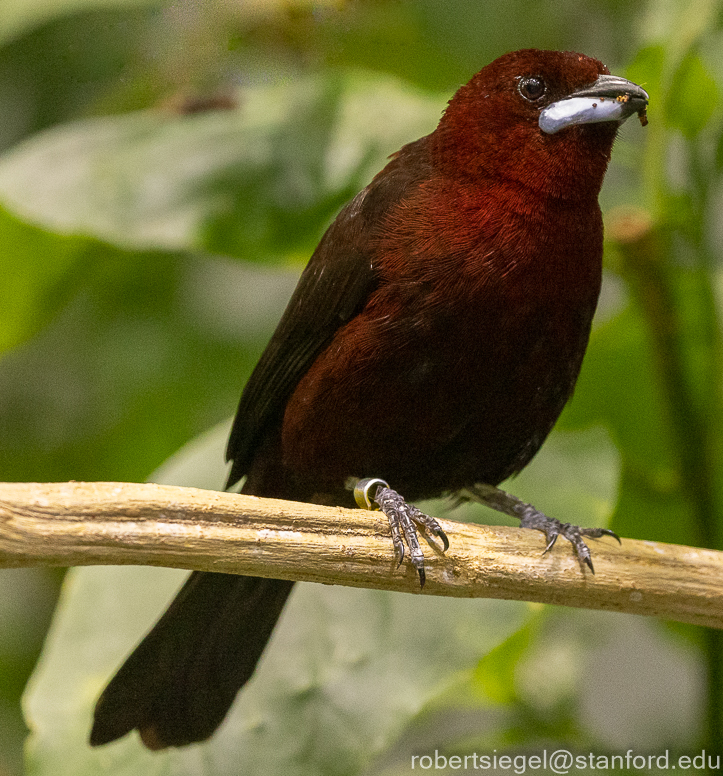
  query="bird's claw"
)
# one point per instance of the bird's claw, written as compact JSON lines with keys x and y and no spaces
{"x":553,"y":528}
{"x":403,"y":519}
{"x":530,"y":517}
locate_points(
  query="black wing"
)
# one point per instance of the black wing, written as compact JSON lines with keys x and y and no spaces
{"x":335,"y":285}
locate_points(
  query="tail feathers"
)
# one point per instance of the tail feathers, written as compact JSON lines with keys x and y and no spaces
{"x":179,"y":683}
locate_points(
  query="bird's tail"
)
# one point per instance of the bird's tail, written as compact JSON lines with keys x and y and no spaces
{"x":178,"y":684}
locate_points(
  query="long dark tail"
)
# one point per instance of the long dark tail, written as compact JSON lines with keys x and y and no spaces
{"x":178,"y":684}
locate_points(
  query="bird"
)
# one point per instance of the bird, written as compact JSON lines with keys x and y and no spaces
{"x":430,"y":345}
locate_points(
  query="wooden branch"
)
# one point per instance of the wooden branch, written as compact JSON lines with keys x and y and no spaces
{"x":75,"y":524}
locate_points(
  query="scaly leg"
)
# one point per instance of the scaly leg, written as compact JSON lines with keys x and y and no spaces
{"x":530,"y":517}
{"x":403,"y":519}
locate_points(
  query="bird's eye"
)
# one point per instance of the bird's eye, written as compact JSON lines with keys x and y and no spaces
{"x":532,"y":88}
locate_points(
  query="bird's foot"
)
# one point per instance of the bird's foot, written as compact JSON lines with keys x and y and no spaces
{"x":530,"y":517}
{"x":403,"y":519}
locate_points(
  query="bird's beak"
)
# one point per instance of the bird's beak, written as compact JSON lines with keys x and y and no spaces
{"x":610,"y":98}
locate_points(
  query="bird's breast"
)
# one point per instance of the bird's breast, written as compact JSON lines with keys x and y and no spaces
{"x":465,"y":354}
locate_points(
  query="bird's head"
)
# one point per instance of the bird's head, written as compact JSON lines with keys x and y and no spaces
{"x":546,"y":119}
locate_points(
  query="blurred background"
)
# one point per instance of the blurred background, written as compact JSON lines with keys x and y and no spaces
{"x":166,"y":169}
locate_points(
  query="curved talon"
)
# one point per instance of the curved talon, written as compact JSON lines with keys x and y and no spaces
{"x":429,"y":524}
{"x":440,"y":534}
{"x":574,"y":534}
{"x":361,"y":492}
{"x":550,"y":543}
{"x":596,"y":533}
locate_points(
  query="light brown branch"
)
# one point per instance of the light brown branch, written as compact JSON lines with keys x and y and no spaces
{"x":76,"y":523}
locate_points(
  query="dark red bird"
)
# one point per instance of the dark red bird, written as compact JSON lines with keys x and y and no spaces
{"x":432,"y":341}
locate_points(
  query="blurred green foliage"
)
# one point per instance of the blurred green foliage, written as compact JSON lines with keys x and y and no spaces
{"x":165,"y":171}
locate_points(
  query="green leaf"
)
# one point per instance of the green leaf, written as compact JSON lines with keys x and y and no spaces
{"x":646,"y":69}
{"x":494,"y":675}
{"x":693,"y":97}
{"x":20,"y":15}
{"x":248,"y":182}
{"x":38,"y":269}
{"x":719,"y":153}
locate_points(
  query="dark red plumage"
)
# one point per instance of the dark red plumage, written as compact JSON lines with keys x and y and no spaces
{"x":432,"y":341}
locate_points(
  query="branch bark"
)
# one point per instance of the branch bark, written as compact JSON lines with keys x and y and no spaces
{"x":77,"y":524}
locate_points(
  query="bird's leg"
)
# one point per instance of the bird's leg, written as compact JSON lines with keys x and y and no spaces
{"x":403,"y":519}
{"x":530,"y":517}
